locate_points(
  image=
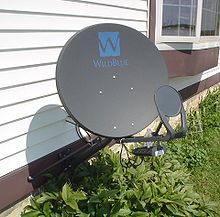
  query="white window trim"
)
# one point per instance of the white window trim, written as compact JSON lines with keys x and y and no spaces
{"x":197,"y":39}
{"x":148,"y":18}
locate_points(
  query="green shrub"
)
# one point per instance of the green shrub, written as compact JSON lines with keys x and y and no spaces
{"x":158,"y":187}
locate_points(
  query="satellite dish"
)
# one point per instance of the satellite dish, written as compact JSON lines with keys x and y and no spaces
{"x":106,"y":78}
{"x":112,"y":81}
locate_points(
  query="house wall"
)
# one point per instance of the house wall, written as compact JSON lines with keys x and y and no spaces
{"x":181,"y":63}
{"x":32,"y":34}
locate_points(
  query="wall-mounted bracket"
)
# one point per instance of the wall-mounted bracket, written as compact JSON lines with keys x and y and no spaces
{"x":169,"y":104}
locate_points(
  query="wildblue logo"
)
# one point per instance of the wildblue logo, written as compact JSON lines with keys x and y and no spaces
{"x":109,"y":44}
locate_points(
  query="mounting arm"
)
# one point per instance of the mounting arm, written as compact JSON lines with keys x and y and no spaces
{"x":169,"y":104}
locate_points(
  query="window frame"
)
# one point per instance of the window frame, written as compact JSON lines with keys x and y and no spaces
{"x":186,"y":39}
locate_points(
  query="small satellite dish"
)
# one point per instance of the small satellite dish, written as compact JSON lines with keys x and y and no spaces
{"x":106,"y":78}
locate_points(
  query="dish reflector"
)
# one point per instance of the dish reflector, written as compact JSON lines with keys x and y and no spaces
{"x":106,"y":78}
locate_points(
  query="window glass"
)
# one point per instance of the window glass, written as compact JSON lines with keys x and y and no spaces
{"x":179,"y":17}
{"x":210,"y":18}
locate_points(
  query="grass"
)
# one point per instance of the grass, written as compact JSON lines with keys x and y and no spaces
{"x":199,"y":150}
{"x":207,"y":176}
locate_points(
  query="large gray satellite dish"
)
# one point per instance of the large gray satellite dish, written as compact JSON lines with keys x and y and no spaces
{"x":106,"y":78}
{"x":112,"y":81}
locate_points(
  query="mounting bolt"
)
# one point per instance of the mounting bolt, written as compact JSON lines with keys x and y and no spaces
{"x":132,"y":88}
{"x":114,"y":77}
{"x":132,"y":124}
{"x":114,"y":127}
{"x":100,"y":92}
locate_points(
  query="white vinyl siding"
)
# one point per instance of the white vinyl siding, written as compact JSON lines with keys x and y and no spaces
{"x":32,"y":34}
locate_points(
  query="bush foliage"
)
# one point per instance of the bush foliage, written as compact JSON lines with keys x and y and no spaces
{"x":158,"y":187}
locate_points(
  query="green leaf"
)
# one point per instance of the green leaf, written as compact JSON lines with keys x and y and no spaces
{"x":29,"y":208}
{"x":140,"y":214}
{"x":147,"y":192}
{"x":47,"y":209}
{"x":154,"y":189}
{"x":68,"y":197}
{"x":83,"y":215}
{"x":46,"y":197}
{"x":34,"y":204}
{"x":192,"y":194}
{"x":164,"y":200}
{"x":94,"y":199}
{"x":124,"y":212}
{"x":116,"y":208}
{"x":79,"y":196}
{"x":157,"y":211}
{"x":66,"y":192}
{"x":172,"y":208}
{"x":138,"y":194}
{"x":149,"y":174}
{"x":142,"y":204}
{"x":31,"y":214}
{"x":69,"y":194}
{"x":106,"y":194}
{"x":130,"y":193}
{"x":198,"y":213}
{"x":192,"y":207}
{"x":167,"y":165}
{"x":73,"y":204}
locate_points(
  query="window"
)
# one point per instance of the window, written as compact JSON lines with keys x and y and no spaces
{"x":179,"y":17}
{"x":210,"y":18}
{"x":188,"y":20}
